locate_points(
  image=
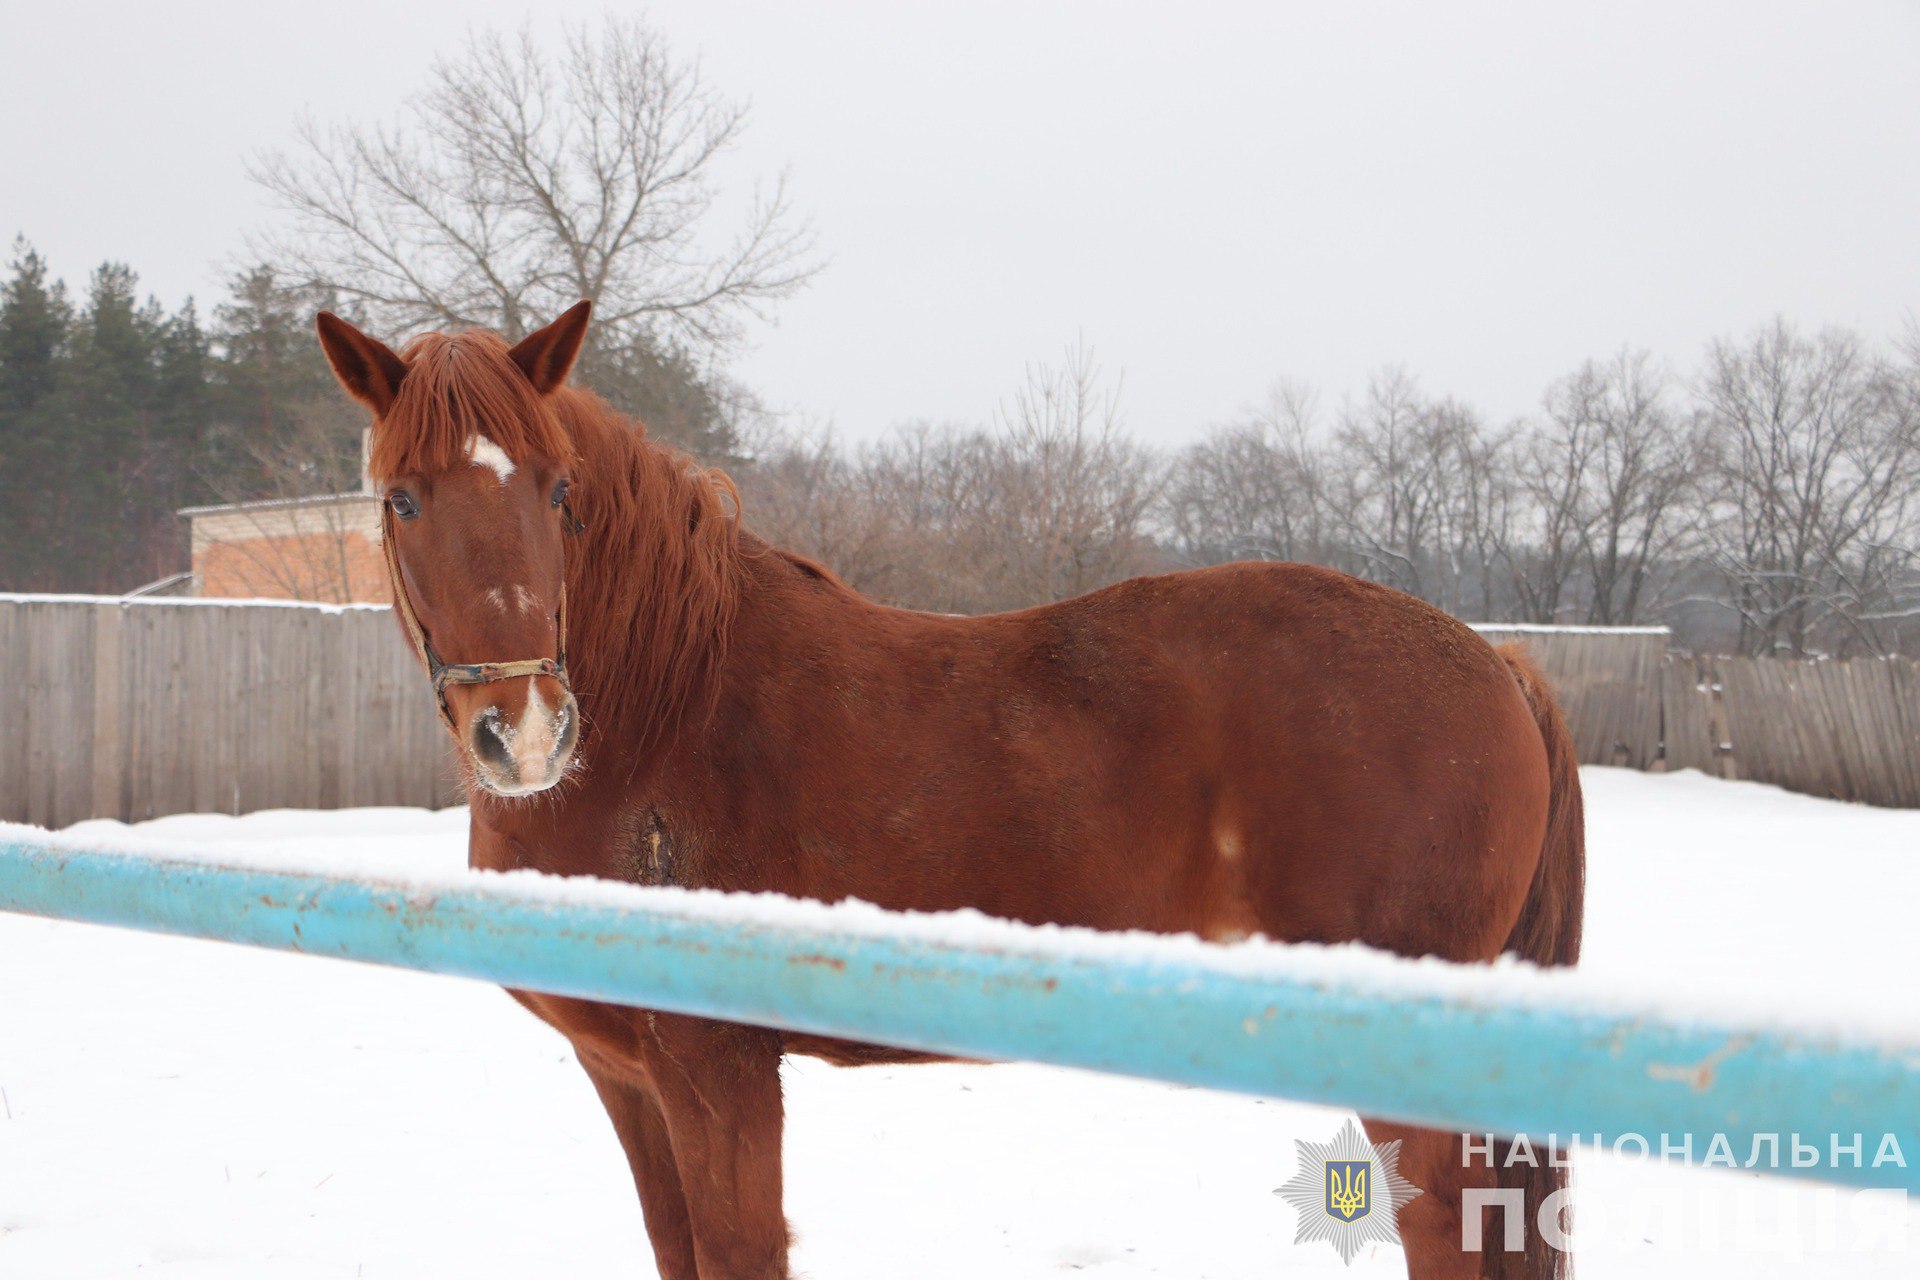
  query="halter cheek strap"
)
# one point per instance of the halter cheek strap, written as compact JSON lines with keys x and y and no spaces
{"x":445,"y":673}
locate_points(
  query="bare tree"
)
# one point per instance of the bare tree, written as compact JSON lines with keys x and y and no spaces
{"x":902,"y":519}
{"x":520,"y":182}
{"x":1386,"y":498}
{"x":1889,"y":578}
{"x":1818,"y":455}
{"x":1412,"y":492}
{"x":802,"y":492}
{"x":1254,"y":489}
{"x":1050,"y":502}
{"x":1551,"y":467}
{"x":1479,"y":519}
{"x":1606,"y":476}
{"x":1069,"y":492}
{"x":1424,"y":495}
{"x":936,"y":481}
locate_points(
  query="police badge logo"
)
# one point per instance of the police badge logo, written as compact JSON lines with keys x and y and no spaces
{"x":1348,"y":1192}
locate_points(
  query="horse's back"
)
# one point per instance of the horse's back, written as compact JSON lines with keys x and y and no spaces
{"x":1321,"y":757}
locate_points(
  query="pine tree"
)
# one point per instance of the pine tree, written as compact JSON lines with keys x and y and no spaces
{"x":270,"y":358}
{"x":179,"y":427}
{"x":100,"y":429}
{"x":270,"y":376}
{"x":34,"y":321}
{"x":34,"y":318}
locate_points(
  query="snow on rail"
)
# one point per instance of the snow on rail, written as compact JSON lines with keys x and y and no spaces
{"x":1348,"y":967}
{"x":1481,"y":1049}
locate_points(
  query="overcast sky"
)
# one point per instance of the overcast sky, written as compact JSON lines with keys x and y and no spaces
{"x":1211,"y":195}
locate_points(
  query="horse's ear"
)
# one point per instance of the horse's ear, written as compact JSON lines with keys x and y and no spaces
{"x":547,"y":355}
{"x":366,"y":367}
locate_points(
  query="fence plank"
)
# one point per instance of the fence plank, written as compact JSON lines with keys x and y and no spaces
{"x":109,"y":700}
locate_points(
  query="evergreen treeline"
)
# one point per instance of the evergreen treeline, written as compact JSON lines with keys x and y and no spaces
{"x":115,"y":413}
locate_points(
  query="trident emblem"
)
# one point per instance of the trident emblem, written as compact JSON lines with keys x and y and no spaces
{"x":1347,"y":1188}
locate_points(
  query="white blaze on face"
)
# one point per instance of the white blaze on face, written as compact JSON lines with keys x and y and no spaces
{"x":533,"y":741}
{"x":530,"y":743}
{"x":485,"y":453}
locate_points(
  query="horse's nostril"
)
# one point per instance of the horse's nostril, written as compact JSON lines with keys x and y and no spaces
{"x":489,"y":742}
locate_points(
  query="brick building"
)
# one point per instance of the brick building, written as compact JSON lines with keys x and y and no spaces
{"x":325,"y":548}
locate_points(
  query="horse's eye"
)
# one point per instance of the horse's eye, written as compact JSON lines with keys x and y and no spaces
{"x":559,"y":494}
{"x":403,"y":504}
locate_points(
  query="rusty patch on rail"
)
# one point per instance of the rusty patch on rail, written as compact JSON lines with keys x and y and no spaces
{"x":1698,"y":1075}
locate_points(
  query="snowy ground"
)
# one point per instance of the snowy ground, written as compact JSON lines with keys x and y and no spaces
{"x":193,"y":1111}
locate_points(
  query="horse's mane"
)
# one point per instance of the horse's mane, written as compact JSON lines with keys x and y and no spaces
{"x":652,"y":606}
{"x":654,"y":578}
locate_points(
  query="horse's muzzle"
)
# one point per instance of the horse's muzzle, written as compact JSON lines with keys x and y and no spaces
{"x":517,"y":757}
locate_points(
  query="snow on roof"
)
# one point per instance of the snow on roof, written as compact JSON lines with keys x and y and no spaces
{"x":171,"y":602}
{"x":315,"y":500}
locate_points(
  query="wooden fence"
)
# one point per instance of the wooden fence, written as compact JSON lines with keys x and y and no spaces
{"x":1608,"y":683}
{"x":1846,"y":729}
{"x":137,"y":709}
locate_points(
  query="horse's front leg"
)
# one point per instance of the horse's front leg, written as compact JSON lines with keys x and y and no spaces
{"x":718,"y":1085}
{"x":643,"y":1136}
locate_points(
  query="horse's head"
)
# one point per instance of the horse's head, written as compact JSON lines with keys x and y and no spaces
{"x":473,"y":464}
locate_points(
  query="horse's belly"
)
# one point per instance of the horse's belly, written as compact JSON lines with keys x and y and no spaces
{"x":852,"y":1053}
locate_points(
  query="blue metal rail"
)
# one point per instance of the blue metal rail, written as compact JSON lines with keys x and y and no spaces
{"x":1469,"y":1057}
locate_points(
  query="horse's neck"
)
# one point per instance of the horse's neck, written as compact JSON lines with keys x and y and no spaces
{"x":653,"y":583}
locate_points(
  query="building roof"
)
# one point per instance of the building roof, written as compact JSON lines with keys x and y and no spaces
{"x":317,"y":500}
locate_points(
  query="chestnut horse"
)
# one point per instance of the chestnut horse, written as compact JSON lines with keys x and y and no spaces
{"x":644,"y":691}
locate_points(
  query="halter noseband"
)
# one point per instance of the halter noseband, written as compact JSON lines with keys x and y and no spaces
{"x":445,"y":673}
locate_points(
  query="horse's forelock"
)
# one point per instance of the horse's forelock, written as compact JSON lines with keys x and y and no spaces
{"x":458,"y":387}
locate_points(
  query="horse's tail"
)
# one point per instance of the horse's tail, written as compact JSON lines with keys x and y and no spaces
{"x":1547,"y":933}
